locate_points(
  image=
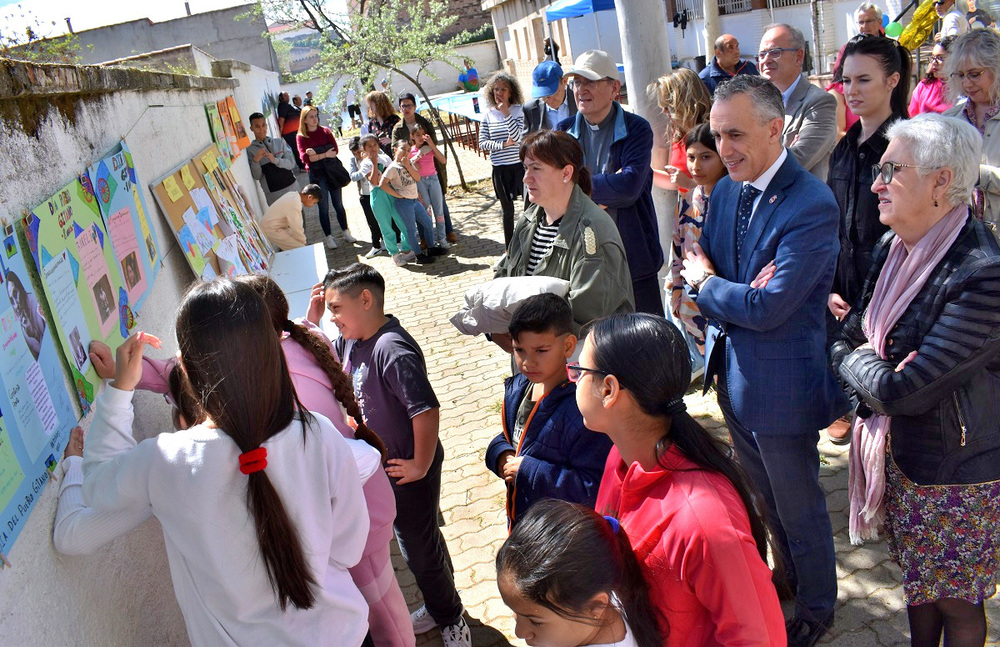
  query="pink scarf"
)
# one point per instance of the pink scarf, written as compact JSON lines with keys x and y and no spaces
{"x":902,"y":277}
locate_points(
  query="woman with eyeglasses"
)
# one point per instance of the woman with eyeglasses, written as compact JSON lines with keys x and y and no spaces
{"x":973,"y":68}
{"x":930,"y":95}
{"x":687,"y":507}
{"x":920,"y":352}
{"x":876,"y":72}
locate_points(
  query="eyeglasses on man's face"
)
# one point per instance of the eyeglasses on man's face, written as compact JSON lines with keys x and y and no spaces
{"x":887,"y":169}
{"x":774,"y":54}
{"x":406,"y":106}
{"x":574,"y":372}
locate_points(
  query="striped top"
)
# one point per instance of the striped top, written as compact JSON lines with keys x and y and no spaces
{"x":541,"y":242}
{"x":496,"y":129}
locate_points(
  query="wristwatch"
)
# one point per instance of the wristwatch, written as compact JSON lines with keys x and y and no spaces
{"x":700,"y":281}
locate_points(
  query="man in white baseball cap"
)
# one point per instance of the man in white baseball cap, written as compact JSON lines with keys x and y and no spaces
{"x":617,"y":148}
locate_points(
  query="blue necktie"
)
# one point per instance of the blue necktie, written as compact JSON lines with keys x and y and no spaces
{"x":747,"y":195}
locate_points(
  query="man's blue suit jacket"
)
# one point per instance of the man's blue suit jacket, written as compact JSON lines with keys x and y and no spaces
{"x":774,"y":341}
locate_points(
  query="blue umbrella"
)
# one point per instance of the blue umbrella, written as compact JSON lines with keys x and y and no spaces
{"x":576,"y":8}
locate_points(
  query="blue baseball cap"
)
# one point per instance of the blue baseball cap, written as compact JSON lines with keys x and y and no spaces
{"x":545,"y":79}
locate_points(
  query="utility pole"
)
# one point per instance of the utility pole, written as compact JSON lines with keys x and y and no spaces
{"x":646,"y":55}
{"x":710,"y":9}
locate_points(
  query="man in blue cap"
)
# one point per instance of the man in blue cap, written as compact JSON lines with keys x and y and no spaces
{"x":550,"y":102}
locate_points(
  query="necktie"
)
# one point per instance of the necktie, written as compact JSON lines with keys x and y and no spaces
{"x":747,"y":195}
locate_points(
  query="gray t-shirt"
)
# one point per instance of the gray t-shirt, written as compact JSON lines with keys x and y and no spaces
{"x":391,"y":385}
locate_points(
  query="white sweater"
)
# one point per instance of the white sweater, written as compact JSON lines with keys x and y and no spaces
{"x":191,"y":482}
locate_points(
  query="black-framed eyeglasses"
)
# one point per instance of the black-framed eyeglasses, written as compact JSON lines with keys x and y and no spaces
{"x":888,"y":169}
{"x":407,"y":105}
{"x":935,"y":59}
{"x":574,"y":371}
{"x":775,"y":53}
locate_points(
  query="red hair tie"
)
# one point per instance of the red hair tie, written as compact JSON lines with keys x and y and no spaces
{"x":253,"y":461}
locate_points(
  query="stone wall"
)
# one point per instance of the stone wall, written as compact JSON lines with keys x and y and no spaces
{"x":57,"y":120}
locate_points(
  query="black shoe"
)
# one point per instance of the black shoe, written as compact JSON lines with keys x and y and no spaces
{"x":436,"y":251}
{"x":806,"y":633}
{"x":424,"y":259}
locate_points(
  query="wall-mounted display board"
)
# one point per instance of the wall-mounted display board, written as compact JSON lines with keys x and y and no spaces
{"x":242,"y":139}
{"x":218,"y":130}
{"x":36,"y":410}
{"x":81,"y":278}
{"x":113,"y":181}
{"x":211,"y":218}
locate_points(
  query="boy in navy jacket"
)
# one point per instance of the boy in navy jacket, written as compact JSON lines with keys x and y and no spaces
{"x":544,"y":450}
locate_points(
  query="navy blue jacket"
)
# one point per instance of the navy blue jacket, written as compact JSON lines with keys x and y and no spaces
{"x":627,"y":187}
{"x":562,"y":459}
{"x":772,"y":340}
{"x":713,"y":75}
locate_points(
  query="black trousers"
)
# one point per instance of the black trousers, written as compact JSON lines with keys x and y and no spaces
{"x":290,"y":140}
{"x":423,"y":546}
{"x":508,"y":183}
{"x":647,"y":296}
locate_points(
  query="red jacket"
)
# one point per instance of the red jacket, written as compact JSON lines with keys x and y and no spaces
{"x":691,"y":533}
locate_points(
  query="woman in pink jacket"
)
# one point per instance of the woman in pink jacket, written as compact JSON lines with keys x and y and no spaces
{"x":323,"y":388}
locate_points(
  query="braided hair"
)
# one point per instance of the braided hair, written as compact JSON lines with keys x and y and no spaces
{"x":343,"y":388}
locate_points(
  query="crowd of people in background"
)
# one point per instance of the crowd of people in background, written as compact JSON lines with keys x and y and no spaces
{"x":834,"y":257}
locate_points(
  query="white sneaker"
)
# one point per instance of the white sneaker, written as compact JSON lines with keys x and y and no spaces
{"x":330,"y":242}
{"x":348,"y":238}
{"x":422,"y":621}
{"x":403,"y":258}
{"x":373,"y":252}
{"x":457,"y":635}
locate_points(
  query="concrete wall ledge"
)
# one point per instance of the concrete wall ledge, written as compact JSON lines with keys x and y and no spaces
{"x":21,"y":80}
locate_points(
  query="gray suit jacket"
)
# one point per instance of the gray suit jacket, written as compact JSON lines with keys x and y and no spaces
{"x":810,"y":131}
{"x":534,"y":114}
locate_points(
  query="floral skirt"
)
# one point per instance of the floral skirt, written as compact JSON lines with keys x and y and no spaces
{"x":945,"y":538}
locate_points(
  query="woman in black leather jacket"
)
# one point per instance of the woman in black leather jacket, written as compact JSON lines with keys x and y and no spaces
{"x":920,"y":352}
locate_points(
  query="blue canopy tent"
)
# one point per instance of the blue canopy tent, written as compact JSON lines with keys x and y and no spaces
{"x":576,"y":8}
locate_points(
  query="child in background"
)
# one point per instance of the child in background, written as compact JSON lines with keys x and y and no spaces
{"x":544,"y":450}
{"x":240,"y":488}
{"x":571,"y":579}
{"x":400,"y":181}
{"x":373,"y":164}
{"x":364,"y":193}
{"x":424,"y":153}
{"x":706,"y":168}
{"x":390,"y":382}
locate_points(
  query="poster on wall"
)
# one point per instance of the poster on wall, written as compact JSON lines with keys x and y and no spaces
{"x":242,"y":139}
{"x":36,"y":410}
{"x":218,"y":129}
{"x":227,"y":121}
{"x":113,"y":181}
{"x":82,"y":279}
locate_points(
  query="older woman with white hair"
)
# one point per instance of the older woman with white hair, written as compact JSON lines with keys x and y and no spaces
{"x":973,"y":68}
{"x":921,"y":354}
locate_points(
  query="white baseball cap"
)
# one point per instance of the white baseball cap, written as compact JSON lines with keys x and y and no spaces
{"x":594,"y":65}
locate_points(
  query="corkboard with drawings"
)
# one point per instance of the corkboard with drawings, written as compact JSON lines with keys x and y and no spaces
{"x":211,"y":219}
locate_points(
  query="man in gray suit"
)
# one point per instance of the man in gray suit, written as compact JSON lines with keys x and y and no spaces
{"x":810,"y":131}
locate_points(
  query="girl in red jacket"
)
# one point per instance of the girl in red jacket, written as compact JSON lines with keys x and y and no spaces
{"x":571,"y":579}
{"x":686,"y":505}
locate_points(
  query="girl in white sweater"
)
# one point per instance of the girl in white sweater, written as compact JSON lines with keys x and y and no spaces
{"x":260,"y":504}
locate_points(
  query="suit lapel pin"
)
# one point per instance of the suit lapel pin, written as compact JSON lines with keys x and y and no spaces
{"x":773,"y":198}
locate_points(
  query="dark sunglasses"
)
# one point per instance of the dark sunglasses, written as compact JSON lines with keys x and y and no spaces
{"x":888,"y":169}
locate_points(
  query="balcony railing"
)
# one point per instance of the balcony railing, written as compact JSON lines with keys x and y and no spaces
{"x":734,"y":6}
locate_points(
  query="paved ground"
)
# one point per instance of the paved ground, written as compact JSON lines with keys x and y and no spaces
{"x":467,"y":374}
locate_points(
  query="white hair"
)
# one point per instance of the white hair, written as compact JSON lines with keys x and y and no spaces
{"x":935,"y":141}
{"x":865,"y":7}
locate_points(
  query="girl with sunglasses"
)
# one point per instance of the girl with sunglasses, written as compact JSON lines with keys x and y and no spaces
{"x":686,"y":506}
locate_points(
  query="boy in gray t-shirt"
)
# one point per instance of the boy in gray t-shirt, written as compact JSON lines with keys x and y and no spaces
{"x":396,"y":398}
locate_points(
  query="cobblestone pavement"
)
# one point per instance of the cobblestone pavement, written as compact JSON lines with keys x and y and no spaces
{"x":467,"y":375}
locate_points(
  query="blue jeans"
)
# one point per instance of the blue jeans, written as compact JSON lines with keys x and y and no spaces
{"x":414,"y":215}
{"x":430,"y":193}
{"x":785,"y":471}
{"x":334,"y":194}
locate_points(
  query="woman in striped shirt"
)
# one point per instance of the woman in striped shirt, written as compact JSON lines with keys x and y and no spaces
{"x":500,"y":134}
{"x":564,"y":235}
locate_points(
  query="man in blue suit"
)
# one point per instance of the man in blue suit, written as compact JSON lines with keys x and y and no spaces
{"x":761,"y":275}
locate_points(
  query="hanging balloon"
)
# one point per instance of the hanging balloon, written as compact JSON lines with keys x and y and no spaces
{"x":885,"y":21}
{"x":893,"y":29}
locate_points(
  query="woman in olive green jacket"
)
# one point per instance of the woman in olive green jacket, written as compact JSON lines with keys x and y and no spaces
{"x":563,"y":234}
